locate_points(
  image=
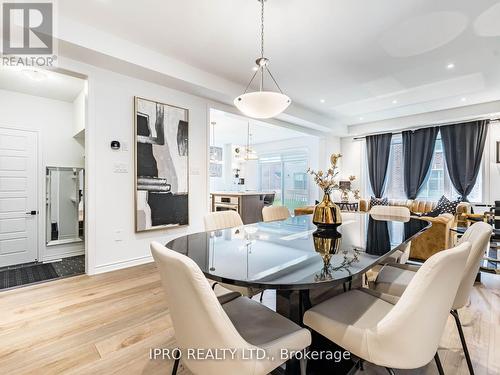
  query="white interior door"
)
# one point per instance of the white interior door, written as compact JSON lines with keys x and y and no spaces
{"x":18,"y":197}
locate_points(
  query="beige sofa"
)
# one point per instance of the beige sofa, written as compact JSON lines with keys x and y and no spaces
{"x":437,"y":237}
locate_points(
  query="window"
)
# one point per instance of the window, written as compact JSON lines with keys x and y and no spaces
{"x":285,"y":174}
{"x":438,"y":181}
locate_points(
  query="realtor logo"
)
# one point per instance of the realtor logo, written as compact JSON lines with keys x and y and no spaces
{"x":27,"y":29}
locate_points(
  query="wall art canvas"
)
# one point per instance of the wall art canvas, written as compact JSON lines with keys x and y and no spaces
{"x":161,"y":165}
{"x":215,"y":167}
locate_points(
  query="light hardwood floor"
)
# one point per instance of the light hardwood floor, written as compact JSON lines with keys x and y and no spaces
{"x":106,"y":324}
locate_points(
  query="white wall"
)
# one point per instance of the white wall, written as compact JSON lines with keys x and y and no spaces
{"x":353,"y":162}
{"x":111,"y":239}
{"x":79,"y":108}
{"x":53,"y":120}
{"x":492,"y":167}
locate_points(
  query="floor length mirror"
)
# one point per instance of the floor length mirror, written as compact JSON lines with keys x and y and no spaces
{"x":65,"y":210}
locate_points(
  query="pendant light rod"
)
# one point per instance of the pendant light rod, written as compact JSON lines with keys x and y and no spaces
{"x":262,"y":28}
{"x":262,"y":103}
{"x":261,"y":44}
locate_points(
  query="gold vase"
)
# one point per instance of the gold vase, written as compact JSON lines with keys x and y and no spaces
{"x":327,"y":214}
{"x":327,"y":243}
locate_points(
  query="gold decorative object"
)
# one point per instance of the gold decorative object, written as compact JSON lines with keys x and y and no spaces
{"x":327,"y":243}
{"x":327,"y":213}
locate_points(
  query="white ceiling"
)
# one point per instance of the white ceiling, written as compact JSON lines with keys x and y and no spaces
{"x":47,"y":84}
{"x":369,"y":60}
{"x":230,"y":128}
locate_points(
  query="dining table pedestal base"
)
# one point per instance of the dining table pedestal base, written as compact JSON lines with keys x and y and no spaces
{"x":329,"y":357}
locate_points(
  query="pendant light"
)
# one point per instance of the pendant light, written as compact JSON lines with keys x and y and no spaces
{"x":250,"y":153}
{"x":212,"y":142}
{"x":262,"y":104}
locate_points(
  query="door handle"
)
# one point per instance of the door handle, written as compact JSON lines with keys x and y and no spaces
{"x":33,"y":213}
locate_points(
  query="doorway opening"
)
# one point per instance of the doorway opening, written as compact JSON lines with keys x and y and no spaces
{"x":259,"y":162}
{"x":42,"y":175}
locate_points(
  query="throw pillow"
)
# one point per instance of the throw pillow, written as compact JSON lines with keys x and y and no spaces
{"x":444,"y":206}
{"x":378,"y":202}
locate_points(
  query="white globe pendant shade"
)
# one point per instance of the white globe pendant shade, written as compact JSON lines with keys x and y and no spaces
{"x":262,"y":104}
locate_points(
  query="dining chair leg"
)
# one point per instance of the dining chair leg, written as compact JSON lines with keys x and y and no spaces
{"x":462,"y":339}
{"x":438,"y":364}
{"x":390,"y":371}
{"x":303,"y":366}
{"x":261,"y":295}
{"x":361,"y":366}
{"x":176,"y":366}
{"x":354,"y":369}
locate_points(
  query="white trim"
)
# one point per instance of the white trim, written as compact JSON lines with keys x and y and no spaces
{"x":72,"y":253}
{"x":122,"y":264}
{"x":90,"y":168}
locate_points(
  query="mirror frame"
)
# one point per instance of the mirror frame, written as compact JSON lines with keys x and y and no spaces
{"x":48,"y":169}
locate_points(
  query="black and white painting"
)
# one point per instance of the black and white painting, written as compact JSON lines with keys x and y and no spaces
{"x":161,"y":136}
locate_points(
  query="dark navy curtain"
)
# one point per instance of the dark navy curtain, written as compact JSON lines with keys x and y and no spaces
{"x":463,"y":150}
{"x":378,"y":149}
{"x":418,"y":149}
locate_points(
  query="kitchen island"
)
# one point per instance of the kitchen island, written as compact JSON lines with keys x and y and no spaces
{"x":247,"y":203}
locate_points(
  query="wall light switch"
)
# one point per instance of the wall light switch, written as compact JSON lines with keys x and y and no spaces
{"x":118,"y":235}
{"x":195,"y":171}
{"x":120,"y":168}
{"x":125,"y":146}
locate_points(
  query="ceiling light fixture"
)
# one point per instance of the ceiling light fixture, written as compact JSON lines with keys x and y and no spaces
{"x":250,"y":153}
{"x":361,"y":118}
{"x":450,"y":66}
{"x":34,"y":74}
{"x":463,"y":99}
{"x":394,"y":101}
{"x":322,"y":100}
{"x":262,"y":103}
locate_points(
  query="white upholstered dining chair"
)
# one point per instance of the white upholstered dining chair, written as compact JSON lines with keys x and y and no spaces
{"x":222,"y":220}
{"x":201,"y":322}
{"x":403,"y":213}
{"x":394,"y":279}
{"x":275,"y":213}
{"x":394,"y":213}
{"x":403,"y":333}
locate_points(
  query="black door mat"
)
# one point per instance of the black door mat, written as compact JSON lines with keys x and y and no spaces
{"x":27,"y":275}
{"x":70,"y":266}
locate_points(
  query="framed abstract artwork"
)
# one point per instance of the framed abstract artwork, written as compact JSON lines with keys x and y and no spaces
{"x":161,"y":165}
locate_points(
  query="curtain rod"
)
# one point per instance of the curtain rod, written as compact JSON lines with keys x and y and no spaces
{"x":426,"y":126}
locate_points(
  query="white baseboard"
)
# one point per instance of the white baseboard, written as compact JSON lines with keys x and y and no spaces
{"x":122,"y":264}
{"x":56,"y":256}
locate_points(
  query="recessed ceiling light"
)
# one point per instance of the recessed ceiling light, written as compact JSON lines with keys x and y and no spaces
{"x":463,"y":99}
{"x":322,"y":100}
{"x":35,"y":75}
{"x":361,"y":118}
{"x":450,"y":66}
{"x":394,"y":101}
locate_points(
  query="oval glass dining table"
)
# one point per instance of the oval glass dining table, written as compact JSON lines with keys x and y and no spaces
{"x":294,"y":258}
